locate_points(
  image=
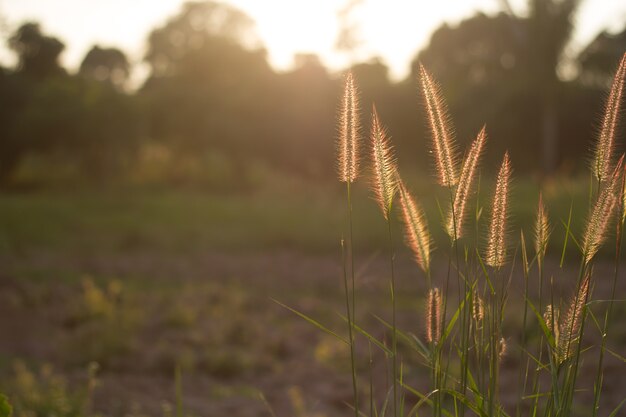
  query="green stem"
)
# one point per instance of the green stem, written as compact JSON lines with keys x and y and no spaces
{"x":522,"y":388}
{"x":572,"y":371}
{"x":439,"y":379}
{"x":536,"y":385}
{"x":465,"y":312}
{"x":371,"y":366}
{"x":394,"y":335}
{"x":599,"y":378}
{"x":350,"y":311}
{"x":495,"y":333}
{"x":178,"y":391}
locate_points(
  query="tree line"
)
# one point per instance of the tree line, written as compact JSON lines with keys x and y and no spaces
{"x":211,"y":99}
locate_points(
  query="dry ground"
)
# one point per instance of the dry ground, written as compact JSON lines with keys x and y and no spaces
{"x":140,"y":314}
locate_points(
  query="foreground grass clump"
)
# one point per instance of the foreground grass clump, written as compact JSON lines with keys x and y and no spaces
{"x":465,"y":342}
{"x":46,"y":393}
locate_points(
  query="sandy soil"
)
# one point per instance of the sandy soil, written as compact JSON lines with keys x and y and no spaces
{"x":213,"y":314}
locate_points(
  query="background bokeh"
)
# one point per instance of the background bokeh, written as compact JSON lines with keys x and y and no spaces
{"x":146,"y":225}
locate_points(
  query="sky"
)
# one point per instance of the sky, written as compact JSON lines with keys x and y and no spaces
{"x":394,"y":30}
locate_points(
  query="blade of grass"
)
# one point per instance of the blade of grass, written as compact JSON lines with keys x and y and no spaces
{"x":567,"y":233}
{"x":311,"y":321}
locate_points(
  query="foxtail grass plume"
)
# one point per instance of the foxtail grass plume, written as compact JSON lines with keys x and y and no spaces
{"x":478,"y":309}
{"x":496,"y":243}
{"x":433,"y":316}
{"x":502,"y":347}
{"x":385,"y":179}
{"x":570,"y":326}
{"x":349,"y":132}
{"x":551,"y":318}
{"x":602,"y":213}
{"x":622,"y":196}
{"x":606,"y":142}
{"x":416,"y":229}
{"x":442,"y":138}
{"x":542,"y":230}
{"x":468,"y":173}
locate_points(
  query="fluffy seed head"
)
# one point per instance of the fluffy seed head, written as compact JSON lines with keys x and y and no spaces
{"x":602,"y":213}
{"x":551,"y":317}
{"x":416,"y":229}
{"x":478,"y":309}
{"x":496,"y":243}
{"x":622,"y":196}
{"x":440,"y":126}
{"x":542,"y":230}
{"x":570,"y":326}
{"x":349,"y":132}
{"x":433,"y":316}
{"x":464,"y":188}
{"x":502,"y":348}
{"x":606,"y":142}
{"x":385,"y":182}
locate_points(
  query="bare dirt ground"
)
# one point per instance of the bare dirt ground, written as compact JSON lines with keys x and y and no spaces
{"x":139,"y":315}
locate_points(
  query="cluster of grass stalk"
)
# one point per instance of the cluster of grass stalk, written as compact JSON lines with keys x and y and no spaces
{"x":463,"y":343}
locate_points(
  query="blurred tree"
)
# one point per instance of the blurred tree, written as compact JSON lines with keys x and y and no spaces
{"x":483,"y":71}
{"x":550,"y":28}
{"x":110,"y":132}
{"x":305,"y":116}
{"x":106,"y":64}
{"x":196,"y":27}
{"x":510,"y":65}
{"x":375,"y":88}
{"x":207,"y":90}
{"x":373,"y":78}
{"x":85,"y":121}
{"x":45,"y":111}
{"x":38,"y":54}
{"x":13,"y":99}
{"x":348,"y":39}
{"x":599,"y":59}
{"x":479,"y":53}
{"x":38,"y":61}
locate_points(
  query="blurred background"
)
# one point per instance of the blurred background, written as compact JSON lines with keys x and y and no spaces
{"x":166,"y":167}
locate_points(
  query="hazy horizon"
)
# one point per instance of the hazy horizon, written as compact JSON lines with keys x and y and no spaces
{"x":384,"y":29}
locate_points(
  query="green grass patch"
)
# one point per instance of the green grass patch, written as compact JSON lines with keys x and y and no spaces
{"x":302,"y":216}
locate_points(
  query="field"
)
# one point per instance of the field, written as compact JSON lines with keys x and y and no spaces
{"x":190,"y":230}
{"x":145,"y":281}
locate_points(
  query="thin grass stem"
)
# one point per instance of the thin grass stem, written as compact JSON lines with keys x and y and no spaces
{"x":597,"y":390}
{"x":394,"y":331}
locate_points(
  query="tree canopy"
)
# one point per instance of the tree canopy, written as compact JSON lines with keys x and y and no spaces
{"x":38,"y":54}
{"x":210,"y":95}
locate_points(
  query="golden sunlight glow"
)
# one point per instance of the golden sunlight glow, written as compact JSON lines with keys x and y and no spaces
{"x":391,"y":29}
{"x":288,"y":27}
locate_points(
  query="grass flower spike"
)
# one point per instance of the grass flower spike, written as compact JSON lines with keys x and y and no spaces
{"x":551,"y":318}
{"x":478,"y":308}
{"x":606,"y":142}
{"x":496,"y":243}
{"x":601,"y":214}
{"x":542,"y":230}
{"x":433,"y":316}
{"x":622,"y":196}
{"x":570,"y":326}
{"x":502,"y":348}
{"x":440,"y":126}
{"x":349,"y":132}
{"x":416,"y":229}
{"x":385,"y":179}
{"x":468,"y":174}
